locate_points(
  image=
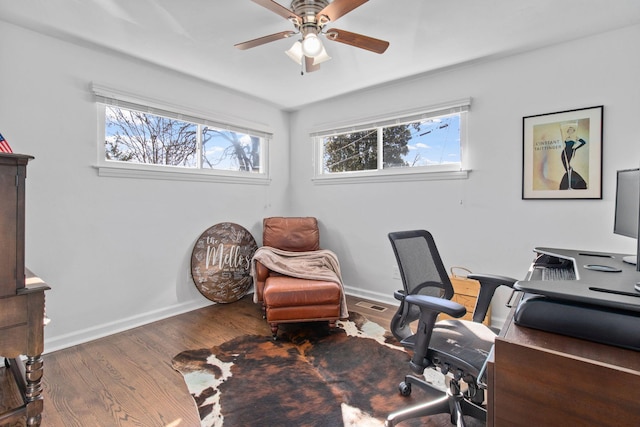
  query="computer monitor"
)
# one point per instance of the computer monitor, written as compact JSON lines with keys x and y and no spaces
{"x":627,"y":209}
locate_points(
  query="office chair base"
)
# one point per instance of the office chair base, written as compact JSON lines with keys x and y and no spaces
{"x":454,"y":404}
{"x":432,"y":407}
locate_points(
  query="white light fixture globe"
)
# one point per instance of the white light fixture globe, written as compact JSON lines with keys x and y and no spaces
{"x":295,"y":53}
{"x":321,"y":57}
{"x":311,"y":45}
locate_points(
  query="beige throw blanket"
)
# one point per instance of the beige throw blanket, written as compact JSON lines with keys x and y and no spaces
{"x":314,"y":265}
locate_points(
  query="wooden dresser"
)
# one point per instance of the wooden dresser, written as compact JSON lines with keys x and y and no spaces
{"x":21,"y":296}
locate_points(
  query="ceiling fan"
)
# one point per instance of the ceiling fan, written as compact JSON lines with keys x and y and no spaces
{"x":309,"y":18}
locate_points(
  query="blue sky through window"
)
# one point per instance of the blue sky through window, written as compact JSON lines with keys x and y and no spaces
{"x":435,"y":142}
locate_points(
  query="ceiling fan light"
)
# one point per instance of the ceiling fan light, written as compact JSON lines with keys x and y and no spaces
{"x":321,"y":57}
{"x":295,"y":53}
{"x":311,"y":45}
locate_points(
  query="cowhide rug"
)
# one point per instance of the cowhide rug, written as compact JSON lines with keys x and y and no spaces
{"x":310,"y":376}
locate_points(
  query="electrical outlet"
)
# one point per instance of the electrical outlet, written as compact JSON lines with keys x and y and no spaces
{"x":396,"y":273}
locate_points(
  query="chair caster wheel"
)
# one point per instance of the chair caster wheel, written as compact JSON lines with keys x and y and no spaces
{"x":404,"y":389}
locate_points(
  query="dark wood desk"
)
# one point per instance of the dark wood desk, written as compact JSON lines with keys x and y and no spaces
{"x":539,"y":378}
{"x":22,"y":334}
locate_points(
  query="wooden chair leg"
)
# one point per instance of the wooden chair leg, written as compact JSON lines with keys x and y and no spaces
{"x":274,"y":330}
{"x":332,"y":324}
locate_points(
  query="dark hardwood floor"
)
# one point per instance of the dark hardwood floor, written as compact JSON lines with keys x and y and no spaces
{"x":126,"y":379}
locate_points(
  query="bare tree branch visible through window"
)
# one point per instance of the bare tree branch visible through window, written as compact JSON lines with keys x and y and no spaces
{"x":137,"y":137}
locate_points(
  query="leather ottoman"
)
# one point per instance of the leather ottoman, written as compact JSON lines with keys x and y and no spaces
{"x":289,"y":299}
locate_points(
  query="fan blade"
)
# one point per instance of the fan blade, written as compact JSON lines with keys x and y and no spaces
{"x":357,"y":40}
{"x":338,"y":8}
{"x":309,"y":66}
{"x":279,"y":9}
{"x":266,"y":39}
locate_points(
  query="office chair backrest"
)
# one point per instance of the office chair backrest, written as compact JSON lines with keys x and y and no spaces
{"x":420,"y":265}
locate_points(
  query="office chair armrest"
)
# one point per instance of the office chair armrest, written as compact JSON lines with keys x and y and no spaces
{"x":492,"y":279}
{"x":437,"y":305}
{"x":400,"y":321}
{"x":430,"y":307}
{"x":399,"y":295}
{"x":488,"y":285}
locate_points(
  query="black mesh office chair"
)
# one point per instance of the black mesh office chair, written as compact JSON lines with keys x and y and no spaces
{"x":456,"y":347}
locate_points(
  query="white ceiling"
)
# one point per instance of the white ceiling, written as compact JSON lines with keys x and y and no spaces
{"x":196,"y":37}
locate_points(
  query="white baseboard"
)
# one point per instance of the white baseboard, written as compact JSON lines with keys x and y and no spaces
{"x":60,"y":342}
{"x":370,"y":295}
{"x":55,"y":343}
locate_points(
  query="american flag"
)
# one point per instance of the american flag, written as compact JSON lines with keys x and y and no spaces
{"x":4,"y":145}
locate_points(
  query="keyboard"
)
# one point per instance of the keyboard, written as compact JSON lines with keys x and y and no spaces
{"x":551,"y":273}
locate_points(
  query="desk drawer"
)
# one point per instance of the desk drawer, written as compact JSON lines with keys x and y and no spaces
{"x":13,"y":311}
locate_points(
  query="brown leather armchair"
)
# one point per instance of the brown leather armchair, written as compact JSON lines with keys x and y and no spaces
{"x":294,"y":279}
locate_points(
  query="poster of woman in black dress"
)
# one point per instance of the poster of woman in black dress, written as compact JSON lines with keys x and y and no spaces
{"x":562,"y":155}
{"x":571,"y":180}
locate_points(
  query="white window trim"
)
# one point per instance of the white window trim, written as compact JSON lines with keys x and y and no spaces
{"x":384,"y":176}
{"x":430,"y":173}
{"x":107,"y":168}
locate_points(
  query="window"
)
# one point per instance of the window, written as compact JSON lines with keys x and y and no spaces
{"x":410,"y":144}
{"x":175,"y":145}
{"x":137,"y":137}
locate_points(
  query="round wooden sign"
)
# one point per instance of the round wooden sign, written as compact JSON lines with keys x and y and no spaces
{"x":221,"y":262}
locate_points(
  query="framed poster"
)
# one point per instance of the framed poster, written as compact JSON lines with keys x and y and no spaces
{"x":221,"y":262}
{"x":562,"y":155}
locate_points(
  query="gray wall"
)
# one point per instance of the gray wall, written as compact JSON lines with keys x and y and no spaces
{"x":117,"y":250}
{"x":481,"y":222}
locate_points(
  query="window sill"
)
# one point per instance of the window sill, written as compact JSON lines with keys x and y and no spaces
{"x":377,"y":176}
{"x":142,"y":172}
